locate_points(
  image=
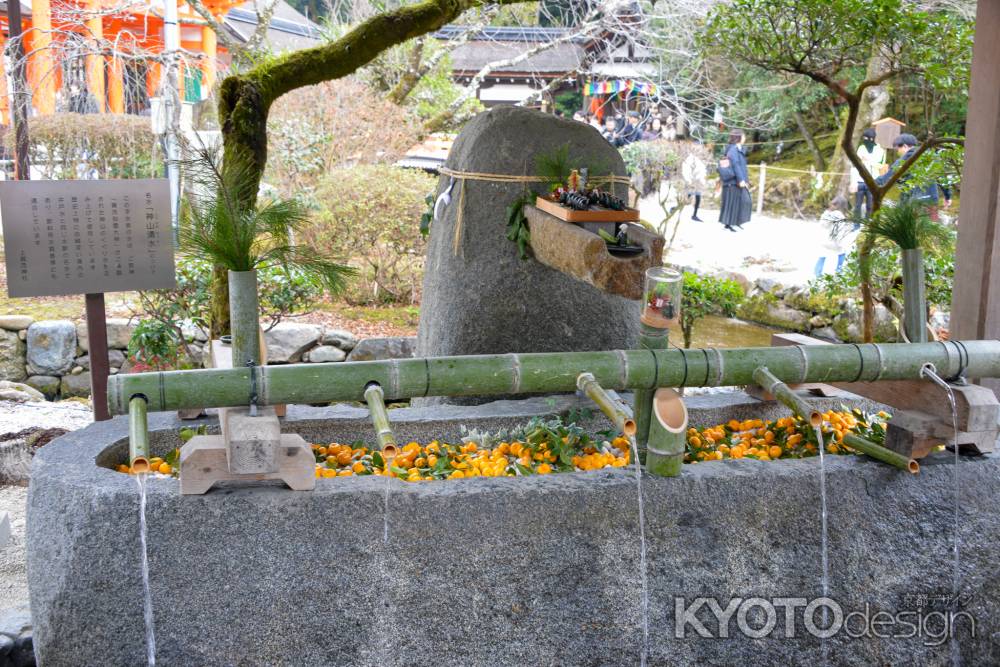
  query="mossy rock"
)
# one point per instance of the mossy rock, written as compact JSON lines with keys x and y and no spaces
{"x":768,"y":309}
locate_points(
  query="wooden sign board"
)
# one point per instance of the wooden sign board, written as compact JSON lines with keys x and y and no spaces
{"x":86,"y":237}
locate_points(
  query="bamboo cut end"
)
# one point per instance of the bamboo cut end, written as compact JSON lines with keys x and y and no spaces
{"x":629,"y":428}
{"x":815,"y":419}
{"x":140,"y":465}
{"x":669,"y":410}
{"x":389,"y":452}
{"x":913,"y":467}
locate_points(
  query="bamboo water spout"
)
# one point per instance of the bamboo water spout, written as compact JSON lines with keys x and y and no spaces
{"x":380,"y":420}
{"x":783,"y":393}
{"x":138,"y":435}
{"x":613,"y":409}
{"x":881,"y":453}
{"x":550,"y":372}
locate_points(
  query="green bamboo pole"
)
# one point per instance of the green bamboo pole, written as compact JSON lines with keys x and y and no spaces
{"x":881,"y":453}
{"x":650,"y":338}
{"x":380,"y":420}
{"x":783,"y":394}
{"x":138,"y":435}
{"x":551,"y":373}
{"x":612,"y":408}
{"x":914,"y":296}
{"x":667,"y":437}
{"x":244,"y":313}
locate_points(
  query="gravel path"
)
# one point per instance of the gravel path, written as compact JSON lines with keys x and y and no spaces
{"x":13,"y":565}
{"x":14,"y":418}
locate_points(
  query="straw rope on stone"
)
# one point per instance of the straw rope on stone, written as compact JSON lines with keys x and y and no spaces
{"x":463,"y":176}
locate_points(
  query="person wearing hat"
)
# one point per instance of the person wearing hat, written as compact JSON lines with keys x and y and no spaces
{"x":906,"y":145}
{"x":873,"y":157}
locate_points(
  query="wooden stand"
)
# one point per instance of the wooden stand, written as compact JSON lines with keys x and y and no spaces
{"x":594,"y":214}
{"x":923,"y":419}
{"x":203,"y":462}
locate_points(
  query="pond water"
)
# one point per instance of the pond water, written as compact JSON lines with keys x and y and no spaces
{"x":716,"y":331}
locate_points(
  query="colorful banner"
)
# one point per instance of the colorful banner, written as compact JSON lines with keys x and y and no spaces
{"x":616,"y":86}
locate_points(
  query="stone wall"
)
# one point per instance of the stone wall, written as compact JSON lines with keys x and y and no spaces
{"x":52,"y":357}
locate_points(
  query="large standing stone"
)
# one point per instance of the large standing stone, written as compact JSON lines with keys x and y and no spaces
{"x":287,"y":341}
{"x":51,"y":347}
{"x":119,"y":333}
{"x":12,"y":356}
{"x":484,"y":299}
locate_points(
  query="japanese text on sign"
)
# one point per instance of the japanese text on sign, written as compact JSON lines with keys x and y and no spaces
{"x":78,"y":237}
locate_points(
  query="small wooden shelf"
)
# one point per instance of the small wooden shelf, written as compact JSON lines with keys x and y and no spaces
{"x":595,"y":214}
{"x":577,"y":252}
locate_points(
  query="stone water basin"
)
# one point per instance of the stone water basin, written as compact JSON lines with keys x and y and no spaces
{"x":540,"y":570}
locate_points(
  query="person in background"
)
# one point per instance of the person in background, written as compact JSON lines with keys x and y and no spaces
{"x":654,"y":132}
{"x":632,"y":131}
{"x":736,"y":202}
{"x":838,"y":239}
{"x":873,"y":157}
{"x":595,"y":122}
{"x":694,"y":173}
{"x":930,"y":195}
{"x":579,"y":117}
{"x":610,"y":131}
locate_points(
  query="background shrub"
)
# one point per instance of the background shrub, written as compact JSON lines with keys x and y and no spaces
{"x":371,"y":214}
{"x":73,"y":145}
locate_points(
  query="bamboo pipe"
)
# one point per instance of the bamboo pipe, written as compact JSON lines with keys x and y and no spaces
{"x":244,"y":313}
{"x":138,"y":435}
{"x":613,"y":409}
{"x":550,"y":373}
{"x":883,"y":454}
{"x":800,"y":407}
{"x":380,"y":420}
{"x":914,"y":296}
{"x":650,"y":338}
{"x":781,"y":391}
{"x":667,"y":434}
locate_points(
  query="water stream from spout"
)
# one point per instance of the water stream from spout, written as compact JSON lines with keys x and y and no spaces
{"x":147,"y":602}
{"x":385,"y":507}
{"x":642,"y":555}
{"x":956,"y":577}
{"x":824,"y":554}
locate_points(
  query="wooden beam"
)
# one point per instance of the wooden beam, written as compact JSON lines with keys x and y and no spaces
{"x":975,"y":311}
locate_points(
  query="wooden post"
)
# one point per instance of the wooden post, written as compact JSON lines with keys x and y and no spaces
{"x":975,"y":311}
{"x":914,"y":296}
{"x":97,"y":335}
{"x":760,"y":187}
{"x":19,"y":105}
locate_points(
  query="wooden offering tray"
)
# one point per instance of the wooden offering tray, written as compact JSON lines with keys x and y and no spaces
{"x":594,"y":214}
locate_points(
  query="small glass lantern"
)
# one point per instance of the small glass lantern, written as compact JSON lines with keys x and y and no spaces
{"x":661,"y":305}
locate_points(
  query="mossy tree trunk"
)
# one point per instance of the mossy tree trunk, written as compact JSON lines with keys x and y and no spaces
{"x":245,"y":98}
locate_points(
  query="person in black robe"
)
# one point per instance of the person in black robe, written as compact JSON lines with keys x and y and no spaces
{"x":736,"y":202}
